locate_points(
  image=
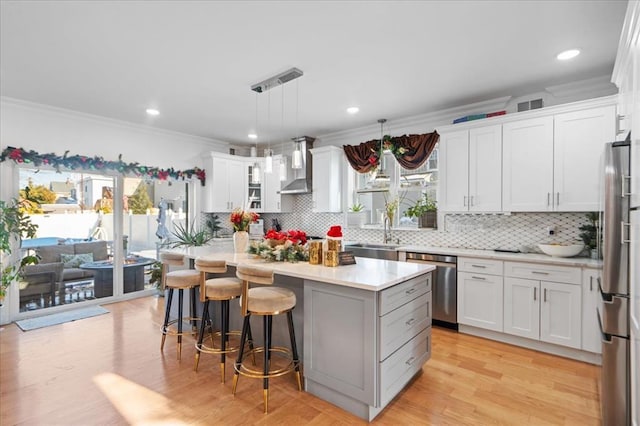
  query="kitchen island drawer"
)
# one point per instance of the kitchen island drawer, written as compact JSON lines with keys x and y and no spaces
{"x":396,"y":296}
{"x":534,"y":271}
{"x":480,"y":266}
{"x":400,"y":367}
{"x":402,"y":324}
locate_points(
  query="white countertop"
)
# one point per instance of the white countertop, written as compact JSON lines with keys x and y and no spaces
{"x":366,"y":274}
{"x":516,"y":257}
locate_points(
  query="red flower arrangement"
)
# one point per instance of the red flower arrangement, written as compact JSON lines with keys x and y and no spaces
{"x":282,"y":246}
{"x":241,"y":219}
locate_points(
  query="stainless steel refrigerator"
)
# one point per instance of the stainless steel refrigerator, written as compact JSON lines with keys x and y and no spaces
{"x":613,"y":311}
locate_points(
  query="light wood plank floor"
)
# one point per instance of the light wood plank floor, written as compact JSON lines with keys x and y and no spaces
{"x":108,"y":370}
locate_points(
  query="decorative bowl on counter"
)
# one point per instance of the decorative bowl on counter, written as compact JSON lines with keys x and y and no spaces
{"x":562,"y":250}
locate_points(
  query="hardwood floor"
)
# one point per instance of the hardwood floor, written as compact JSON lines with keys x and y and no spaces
{"x":108,"y":370}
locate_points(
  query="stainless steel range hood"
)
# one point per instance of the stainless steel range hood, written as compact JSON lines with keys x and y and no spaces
{"x":299,"y":181}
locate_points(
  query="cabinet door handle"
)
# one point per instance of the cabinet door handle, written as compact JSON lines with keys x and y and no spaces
{"x":618,"y":122}
{"x":557,"y":198}
{"x":479,"y":266}
{"x":548,"y":198}
{"x":278,"y":205}
{"x":410,"y":291}
{"x":471,"y":201}
{"x":464,"y":201}
{"x":410,"y":322}
{"x":535,"y":293}
{"x":591,"y":283}
{"x":410,"y":360}
{"x":545,"y":294}
{"x":539,"y":272}
{"x":478,"y":278}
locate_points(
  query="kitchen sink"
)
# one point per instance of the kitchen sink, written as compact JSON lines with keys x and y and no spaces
{"x":373,"y":250}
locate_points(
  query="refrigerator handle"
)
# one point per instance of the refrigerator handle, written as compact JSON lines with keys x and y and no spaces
{"x":622,"y":239}
{"x":622,"y":190}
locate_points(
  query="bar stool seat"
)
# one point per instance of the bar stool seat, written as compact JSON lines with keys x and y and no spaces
{"x":267,"y":302}
{"x":222,"y":289}
{"x":183,"y":279}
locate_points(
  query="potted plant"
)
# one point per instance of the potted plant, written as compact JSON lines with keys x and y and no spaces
{"x":14,"y":224}
{"x":426,"y":210}
{"x":589,"y":234}
{"x":189,"y":237}
{"x":356,"y":216}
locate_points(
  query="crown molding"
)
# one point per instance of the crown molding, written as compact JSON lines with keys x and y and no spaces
{"x":72,"y":114}
{"x":629,"y":37}
{"x":428,"y":119}
{"x":595,"y":84}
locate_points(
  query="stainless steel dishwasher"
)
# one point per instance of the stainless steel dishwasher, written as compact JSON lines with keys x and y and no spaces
{"x":444,"y":287}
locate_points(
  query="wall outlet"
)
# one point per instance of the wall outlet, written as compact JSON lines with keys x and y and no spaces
{"x":551,"y":230}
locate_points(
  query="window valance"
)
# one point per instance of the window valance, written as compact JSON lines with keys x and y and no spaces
{"x":410,"y":151}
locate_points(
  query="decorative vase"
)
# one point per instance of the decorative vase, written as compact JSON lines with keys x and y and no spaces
{"x":428,"y":220}
{"x":240,"y":241}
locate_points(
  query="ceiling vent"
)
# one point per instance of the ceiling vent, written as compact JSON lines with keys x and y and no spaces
{"x":527,"y":105}
{"x":277,"y":80}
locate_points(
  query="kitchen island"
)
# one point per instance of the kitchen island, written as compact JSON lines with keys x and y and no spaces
{"x":365,"y":328}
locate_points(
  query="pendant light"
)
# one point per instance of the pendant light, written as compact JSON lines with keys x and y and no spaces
{"x":268,"y":152}
{"x":296,"y":158}
{"x":255,"y":172}
{"x":283,"y":158}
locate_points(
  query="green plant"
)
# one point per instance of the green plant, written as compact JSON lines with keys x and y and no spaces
{"x":212,"y":222}
{"x":155,"y":273}
{"x":189,"y":237}
{"x":423,"y":205}
{"x":357,"y":207}
{"x":14,"y":224}
{"x":589,"y":234}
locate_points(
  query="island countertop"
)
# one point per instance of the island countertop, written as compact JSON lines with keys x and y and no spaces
{"x":366,"y":274}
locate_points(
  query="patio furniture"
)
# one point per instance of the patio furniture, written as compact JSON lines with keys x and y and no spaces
{"x":103,"y":275}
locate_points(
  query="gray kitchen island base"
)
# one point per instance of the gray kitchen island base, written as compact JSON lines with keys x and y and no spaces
{"x":362,"y":347}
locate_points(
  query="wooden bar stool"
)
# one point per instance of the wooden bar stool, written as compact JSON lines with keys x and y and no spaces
{"x":265,"y":301}
{"x":181,"y":279}
{"x":221,"y":289}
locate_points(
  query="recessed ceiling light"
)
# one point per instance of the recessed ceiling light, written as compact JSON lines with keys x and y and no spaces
{"x":252,"y":136}
{"x":353,"y":110}
{"x":152,"y":111}
{"x":568,"y":54}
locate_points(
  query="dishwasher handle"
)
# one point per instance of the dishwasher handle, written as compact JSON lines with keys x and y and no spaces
{"x":432,"y":258}
{"x":428,"y":262}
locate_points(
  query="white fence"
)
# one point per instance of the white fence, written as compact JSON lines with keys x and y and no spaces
{"x":139,"y":228}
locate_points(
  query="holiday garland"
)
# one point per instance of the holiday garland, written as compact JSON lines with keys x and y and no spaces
{"x":73,"y":162}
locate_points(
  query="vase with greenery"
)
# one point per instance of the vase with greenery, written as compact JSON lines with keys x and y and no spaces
{"x":15,"y":223}
{"x":426,"y":210}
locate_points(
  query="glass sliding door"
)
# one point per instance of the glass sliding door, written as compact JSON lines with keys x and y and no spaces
{"x":74,"y":214}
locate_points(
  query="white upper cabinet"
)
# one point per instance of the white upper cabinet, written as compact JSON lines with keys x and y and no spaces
{"x":553,"y":163}
{"x":579,"y":139}
{"x":527,"y":183}
{"x":226,"y":187}
{"x":327,"y":179}
{"x":471,"y":170}
{"x":274,"y":202}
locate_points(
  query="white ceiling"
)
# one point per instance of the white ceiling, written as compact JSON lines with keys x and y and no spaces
{"x":196,"y":61}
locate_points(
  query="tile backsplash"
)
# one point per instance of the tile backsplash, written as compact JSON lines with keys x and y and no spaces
{"x":520,"y":231}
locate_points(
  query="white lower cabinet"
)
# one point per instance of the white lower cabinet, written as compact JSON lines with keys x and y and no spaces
{"x":480,"y":300}
{"x":522,"y":307}
{"x":543,"y":310}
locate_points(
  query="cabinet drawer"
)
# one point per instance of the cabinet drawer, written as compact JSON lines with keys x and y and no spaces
{"x":554,"y":273}
{"x":400,"y":367}
{"x":396,"y":296}
{"x":480,"y":266}
{"x":400,"y":325}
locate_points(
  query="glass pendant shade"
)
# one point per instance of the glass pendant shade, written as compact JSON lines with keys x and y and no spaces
{"x":255,"y":175}
{"x":283,"y":168}
{"x":296,"y":159}
{"x":268,"y":161}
